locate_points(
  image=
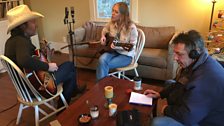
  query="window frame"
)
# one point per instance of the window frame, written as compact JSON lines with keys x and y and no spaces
{"x":93,"y":11}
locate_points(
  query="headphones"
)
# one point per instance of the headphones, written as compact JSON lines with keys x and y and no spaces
{"x":195,"y":42}
{"x":194,"y":54}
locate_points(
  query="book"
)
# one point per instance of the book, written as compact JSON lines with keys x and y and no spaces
{"x":137,"y":98}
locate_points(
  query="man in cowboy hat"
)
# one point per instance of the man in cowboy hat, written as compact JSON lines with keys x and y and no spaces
{"x":19,"y":48}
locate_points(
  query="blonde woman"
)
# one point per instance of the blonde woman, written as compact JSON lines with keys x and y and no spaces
{"x":124,"y":30}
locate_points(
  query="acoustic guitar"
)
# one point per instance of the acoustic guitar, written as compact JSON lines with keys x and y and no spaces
{"x":43,"y":81}
{"x":107,"y":48}
{"x":116,"y":42}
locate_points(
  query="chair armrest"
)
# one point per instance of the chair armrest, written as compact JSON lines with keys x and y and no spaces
{"x":171,"y":64}
{"x":79,"y":34}
{"x":170,"y":48}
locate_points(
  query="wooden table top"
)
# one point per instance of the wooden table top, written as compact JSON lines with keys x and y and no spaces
{"x":95,"y":96}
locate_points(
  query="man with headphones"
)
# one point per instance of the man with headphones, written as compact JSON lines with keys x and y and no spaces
{"x":196,"y":96}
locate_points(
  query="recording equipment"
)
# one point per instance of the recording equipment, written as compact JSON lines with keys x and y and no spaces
{"x":66,"y":15}
{"x":196,"y":43}
{"x":73,"y":14}
{"x":194,"y":54}
{"x":70,"y":25}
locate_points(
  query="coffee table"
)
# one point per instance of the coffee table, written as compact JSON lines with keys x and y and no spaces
{"x":95,"y":96}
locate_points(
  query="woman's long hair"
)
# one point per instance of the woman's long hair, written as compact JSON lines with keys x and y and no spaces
{"x":124,"y":12}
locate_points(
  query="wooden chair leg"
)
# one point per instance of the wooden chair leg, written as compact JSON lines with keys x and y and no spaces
{"x":36,"y":115}
{"x":119,"y":75}
{"x":136,"y":72}
{"x":19,"y":114}
{"x":63,"y":100}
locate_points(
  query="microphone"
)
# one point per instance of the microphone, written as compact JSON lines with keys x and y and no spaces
{"x":66,"y":15}
{"x":73,"y":14}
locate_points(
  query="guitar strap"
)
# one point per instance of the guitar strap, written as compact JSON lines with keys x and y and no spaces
{"x":91,"y":60}
{"x":96,"y":55}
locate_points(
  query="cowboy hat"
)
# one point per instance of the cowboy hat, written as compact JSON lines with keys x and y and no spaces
{"x":19,"y":15}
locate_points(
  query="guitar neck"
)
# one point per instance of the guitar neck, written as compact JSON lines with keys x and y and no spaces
{"x":121,"y":44}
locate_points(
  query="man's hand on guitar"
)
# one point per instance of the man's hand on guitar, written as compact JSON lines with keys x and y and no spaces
{"x":52,"y":67}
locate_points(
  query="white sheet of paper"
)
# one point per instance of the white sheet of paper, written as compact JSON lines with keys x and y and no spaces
{"x":138,"y":98}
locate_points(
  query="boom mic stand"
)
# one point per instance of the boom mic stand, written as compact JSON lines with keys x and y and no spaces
{"x":70,"y":28}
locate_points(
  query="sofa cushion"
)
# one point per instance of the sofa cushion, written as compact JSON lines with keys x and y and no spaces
{"x":158,"y":37}
{"x":98,"y":32}
{"x":154,"y":57}
{"x":92,"y":31}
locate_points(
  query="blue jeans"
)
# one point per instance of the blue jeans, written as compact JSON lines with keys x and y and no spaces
{"x":166,"y":121}
{"x":111,"y":60}
{"x":66,"y":74}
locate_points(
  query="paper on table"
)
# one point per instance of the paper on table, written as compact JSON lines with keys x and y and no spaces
{"x":137,"y":98}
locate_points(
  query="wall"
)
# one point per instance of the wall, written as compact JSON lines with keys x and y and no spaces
{"x":52,"y":27}
{"x":3,"y":38}
{"x":183,"y":14}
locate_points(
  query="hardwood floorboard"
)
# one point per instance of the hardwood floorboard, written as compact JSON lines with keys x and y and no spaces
{"x":8,"y":95}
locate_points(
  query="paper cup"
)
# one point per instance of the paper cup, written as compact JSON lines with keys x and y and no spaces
{"x":112,"y":109}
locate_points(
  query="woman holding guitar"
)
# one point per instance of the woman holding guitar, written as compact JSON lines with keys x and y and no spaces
{"x":124,"y":31}
{"x":19,"y":48}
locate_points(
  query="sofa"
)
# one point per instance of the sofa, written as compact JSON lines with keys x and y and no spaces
{"x":155,"y":62}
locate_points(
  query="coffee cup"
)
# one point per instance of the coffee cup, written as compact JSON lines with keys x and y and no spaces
{"x":138,"y":83}
{"x":112,"y":109}
{"x":94,"y":111}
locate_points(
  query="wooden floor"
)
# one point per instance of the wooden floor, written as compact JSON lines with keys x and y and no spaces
{"x":9,"y":105}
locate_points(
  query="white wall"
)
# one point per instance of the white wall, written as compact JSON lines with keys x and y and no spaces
{"x":3,"y":37}
{"x":183,"y":14}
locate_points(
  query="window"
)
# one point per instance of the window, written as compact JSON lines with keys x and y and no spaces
{"x":104,"y":7}
{"x":100,"y":10}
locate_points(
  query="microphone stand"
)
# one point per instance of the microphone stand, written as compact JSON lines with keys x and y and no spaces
{"x":70,"y":30}
{"x":71,"y":39}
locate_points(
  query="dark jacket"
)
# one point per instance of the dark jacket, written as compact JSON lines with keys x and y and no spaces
{"x":197,"y":97}
{"x":20,"y":50}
